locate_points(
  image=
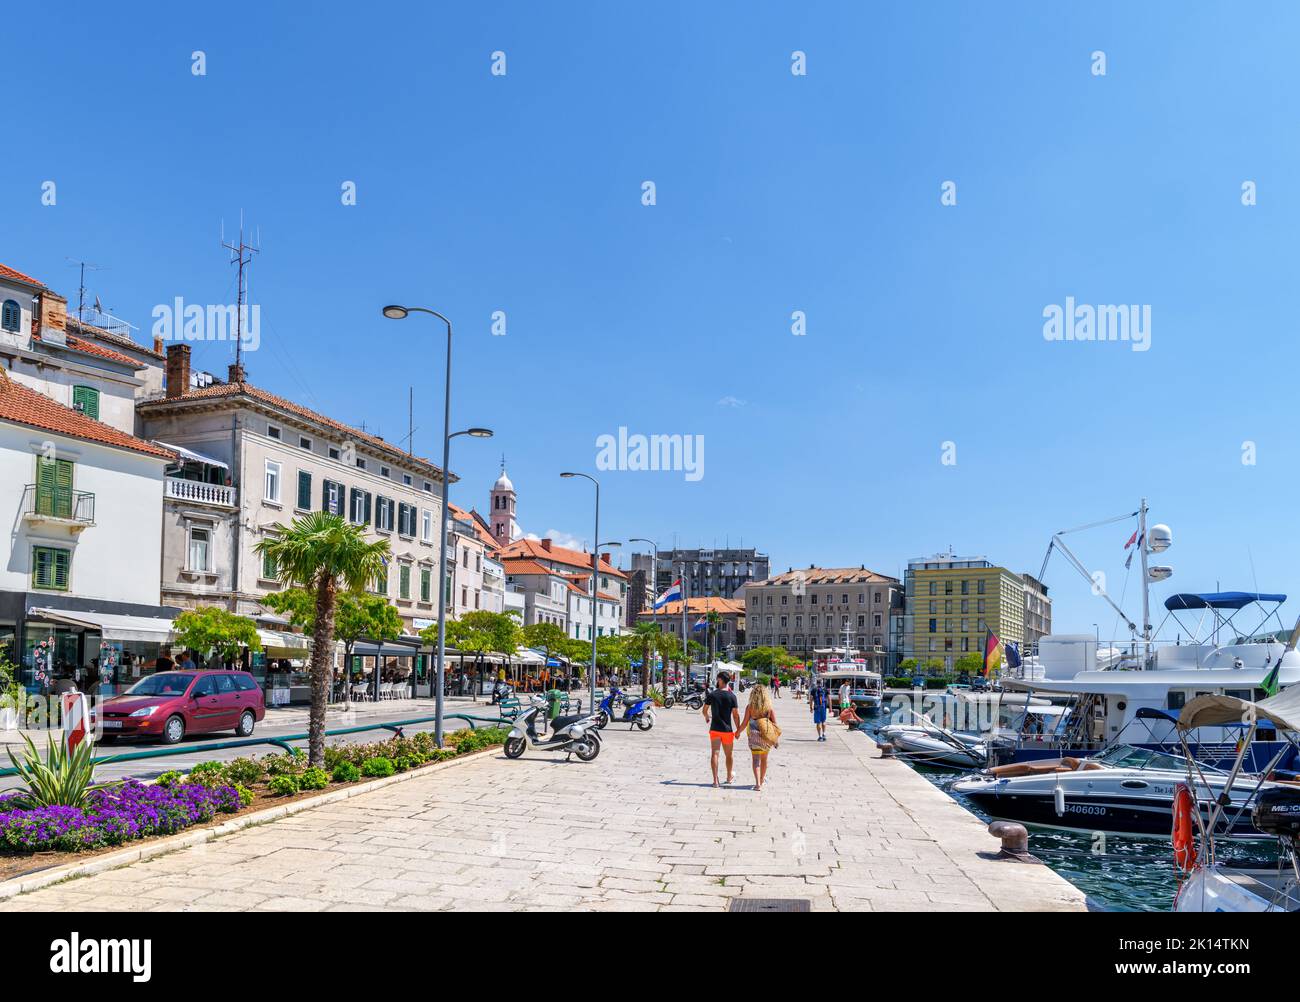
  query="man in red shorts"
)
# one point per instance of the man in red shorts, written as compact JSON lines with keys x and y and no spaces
{"x":723,"y":713}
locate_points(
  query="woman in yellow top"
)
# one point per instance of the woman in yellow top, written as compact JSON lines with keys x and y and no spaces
{"x":759,"y":708}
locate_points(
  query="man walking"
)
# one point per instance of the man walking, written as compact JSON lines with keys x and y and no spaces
{"x":817,"y":697}
{"x":723,"y":713}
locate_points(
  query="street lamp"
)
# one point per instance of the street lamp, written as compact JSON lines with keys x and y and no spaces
{"x":654,"y":594}
{"x":595,"y":571}
{"x":393,"y":312}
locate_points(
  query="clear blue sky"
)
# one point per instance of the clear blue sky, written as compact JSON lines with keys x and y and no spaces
{"x":775,"y":193}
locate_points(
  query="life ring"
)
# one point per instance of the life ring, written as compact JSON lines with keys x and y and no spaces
{"x":1184,"y":842}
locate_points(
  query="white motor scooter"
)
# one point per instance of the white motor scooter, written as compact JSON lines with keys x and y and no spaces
{"x":573,"y":734}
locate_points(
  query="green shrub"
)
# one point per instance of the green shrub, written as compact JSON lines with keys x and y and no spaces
{"x":377,"y":767}
{"x":245,"y":770}
{"x":403,"y":763}
{"x":283,"y":785}
{"x":245,"y":794}
{"x":209,"y":774}
{"x":314,"y":779}
{"x":288,"y":764}
{"x":170,"y":778}
{"x":346,"y":772}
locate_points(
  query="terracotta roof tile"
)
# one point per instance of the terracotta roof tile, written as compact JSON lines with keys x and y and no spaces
{"x":579,"y":559}
{"x":23,"y":405}
{"x":218,"y":391}
{"x":90,"y":348}
{"x":112,"y":337}
{"x":14,"y":273}
{"x":699,"y":606}
{"x":829,"y":575}
{"x":473,"y":517}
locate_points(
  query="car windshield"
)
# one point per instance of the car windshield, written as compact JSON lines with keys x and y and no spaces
{"x":168,"y":683}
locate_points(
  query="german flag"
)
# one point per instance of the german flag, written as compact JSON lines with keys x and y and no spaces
{"x":992,"y":653}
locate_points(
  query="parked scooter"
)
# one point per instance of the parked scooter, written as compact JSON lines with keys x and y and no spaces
{"x":574,"y":734}
{"x":638,"y":711}
{"x":692,"y":695}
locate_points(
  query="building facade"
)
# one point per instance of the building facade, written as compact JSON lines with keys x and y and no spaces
{"x":704,"y":572}
{"x":953,"y":601}
{"x":1038,"y":613}
{"x":567,"y":563}
{"x":809,"y":609}
{"x":278,"y":461}
{"x":729,"y":630}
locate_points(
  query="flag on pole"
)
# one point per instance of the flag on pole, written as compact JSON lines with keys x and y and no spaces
{"x":1131,"y":539}
{"x":1013,"y":654}
{"x":1269,"y":685}
{"x":673,"y":594}
{"x":992,"y":656}
{"x":1137,"y":539}
{"x":700,"y":624}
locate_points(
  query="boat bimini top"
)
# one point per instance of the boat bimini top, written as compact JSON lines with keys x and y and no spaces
{"x":1210,"y":711}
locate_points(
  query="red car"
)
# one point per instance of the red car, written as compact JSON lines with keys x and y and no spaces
{"x":171,"y":704}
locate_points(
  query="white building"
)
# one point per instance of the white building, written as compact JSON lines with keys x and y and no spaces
{"x":79,"y":565}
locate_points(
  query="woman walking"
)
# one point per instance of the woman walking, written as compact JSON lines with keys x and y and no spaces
{"x":760,"y":728}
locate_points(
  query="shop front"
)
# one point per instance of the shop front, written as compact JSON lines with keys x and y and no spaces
{"x":94,"y":650}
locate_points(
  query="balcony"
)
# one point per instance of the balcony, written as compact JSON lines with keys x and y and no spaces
{"x":58,"y":506}
{"x":197,"y":492}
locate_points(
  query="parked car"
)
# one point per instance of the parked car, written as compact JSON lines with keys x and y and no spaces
{"x":171,"y":704}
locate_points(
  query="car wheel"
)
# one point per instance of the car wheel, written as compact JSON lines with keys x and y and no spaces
{"x":246,"y":724}
{"x":173,"y":730}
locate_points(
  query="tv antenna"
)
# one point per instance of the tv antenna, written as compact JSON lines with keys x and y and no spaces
{"x":81,"y":289}
{"x":241,"y":256}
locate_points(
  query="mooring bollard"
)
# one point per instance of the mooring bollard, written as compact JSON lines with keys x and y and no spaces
{"x":886,"y":749}
{"x":1015,"y":840}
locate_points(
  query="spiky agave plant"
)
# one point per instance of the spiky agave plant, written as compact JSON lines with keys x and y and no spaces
{"x":62,"y":779}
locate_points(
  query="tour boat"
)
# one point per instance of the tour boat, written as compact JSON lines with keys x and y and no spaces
{"x":866,"y":686}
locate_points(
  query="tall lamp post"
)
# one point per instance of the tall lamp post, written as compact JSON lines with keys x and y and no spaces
{"x":401,"y":313}
{"x":595,"y":571}
{"x":654,"y":594}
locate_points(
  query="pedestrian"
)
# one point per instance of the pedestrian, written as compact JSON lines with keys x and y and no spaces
{"x":723,"y":713}
{"x":846,"y":696}
{"x":776,"y":686}
{"x":817,"y":697}
{"x":187,"y":661}
{"x":760,"y":729}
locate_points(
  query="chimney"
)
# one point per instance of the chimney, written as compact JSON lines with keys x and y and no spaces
{"x":178,"y":371}
{"x":546,"y":545}
{"x":236,"y":374}
{"x":157,"y":345}
{"x":51,"y":317}
{"x":606,"y":557}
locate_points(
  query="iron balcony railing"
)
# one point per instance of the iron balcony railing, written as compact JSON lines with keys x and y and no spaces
{"x":59,"y":502}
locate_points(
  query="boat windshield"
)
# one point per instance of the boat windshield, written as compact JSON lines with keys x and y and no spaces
{"x":1128,"y":757}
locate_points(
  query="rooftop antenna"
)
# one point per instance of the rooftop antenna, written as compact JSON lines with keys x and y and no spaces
{"x":238,"y":258}
{"x":81,"y":289}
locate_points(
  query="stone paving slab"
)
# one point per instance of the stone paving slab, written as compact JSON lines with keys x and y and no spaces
{"x":641,"y":828}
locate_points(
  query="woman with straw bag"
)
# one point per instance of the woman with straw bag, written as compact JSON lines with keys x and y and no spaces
{"x":760,"y":728}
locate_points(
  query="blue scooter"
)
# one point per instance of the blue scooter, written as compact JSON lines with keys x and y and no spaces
{"x":639,"y":712}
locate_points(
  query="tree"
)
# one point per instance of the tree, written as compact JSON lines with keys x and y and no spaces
{"x":546,"y":636}
{"x":478,"y":632}
{"x":644,"y":640}
{"x":359,"y":615}
{"x":765,"y":660}
{"x":907,"y":666}
{"x":969,"y":664}
{"x":610,"y":654}
{"x":323,"y":554}
{"x":212,"y":630}
{"x":714,"y":620}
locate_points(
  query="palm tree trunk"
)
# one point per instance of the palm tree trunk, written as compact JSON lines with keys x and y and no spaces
{"x":322,"y":657}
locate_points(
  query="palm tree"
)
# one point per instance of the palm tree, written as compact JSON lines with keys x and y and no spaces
{"x":644,"y":639}
{"x":324,"y":554}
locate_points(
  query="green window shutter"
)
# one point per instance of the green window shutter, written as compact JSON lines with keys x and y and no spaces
{"x":54,"y":487}
{"x":426,"y":584}
{"x":50,"y":568}
{"x":368,"y":516}
{"x":86,"y":398}
{"x":404,"y":581}
{"x":269,"y":571}
{"x":304,"y":490}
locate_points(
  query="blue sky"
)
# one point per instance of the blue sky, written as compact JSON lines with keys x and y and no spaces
{"x":775,"y":193}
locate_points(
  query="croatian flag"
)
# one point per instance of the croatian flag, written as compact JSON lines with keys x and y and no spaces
{"x":701,"y":623}
{"x":673,"y":594}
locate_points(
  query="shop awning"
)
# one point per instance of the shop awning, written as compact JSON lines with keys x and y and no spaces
{"x":112,"y":626}
{"x":280,"y":644}
{"x":194,"y":457}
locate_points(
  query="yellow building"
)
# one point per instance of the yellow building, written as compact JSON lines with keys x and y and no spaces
{"x":952,"y":601}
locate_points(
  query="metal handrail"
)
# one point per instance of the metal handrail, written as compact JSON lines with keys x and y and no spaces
{"x":283,"y":742}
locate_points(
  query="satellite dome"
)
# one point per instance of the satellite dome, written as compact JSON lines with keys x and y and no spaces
{"x":1159,"y":538}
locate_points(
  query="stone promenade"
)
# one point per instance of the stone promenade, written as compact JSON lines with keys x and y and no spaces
{"x":641,"y":828}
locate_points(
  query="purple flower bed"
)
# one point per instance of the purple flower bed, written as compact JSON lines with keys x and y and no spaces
{"x":113,"y":816}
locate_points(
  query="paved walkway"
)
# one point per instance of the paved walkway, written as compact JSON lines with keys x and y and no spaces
{"x":638,"y":829}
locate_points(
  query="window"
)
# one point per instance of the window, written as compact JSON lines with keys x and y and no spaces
{"x":54,"y":487}
{"x":270,"y":572}
{"x":50,"y":567}
{"x":361,"y":463}
{"x":383,"y":514}
{"x":272,"y":492}
{"x":200,"y":549}
{"x":86,"y":400}
{"x":359,"y":507}
{"x":333,"y":452}
{"x":384,"y":471}
{"x":428,"y":487}
{"x":406,"y":519}
{"x":304,"y":490}
{"x":272,"y":432}
{"x":11,"y":316}
{"x":331,"y":497}
{"x":304,"y":442}
{"x":404,"y":581}
{"x":406,"y":479}
{"x":426,"y":525}
{"x":426,"y":584}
